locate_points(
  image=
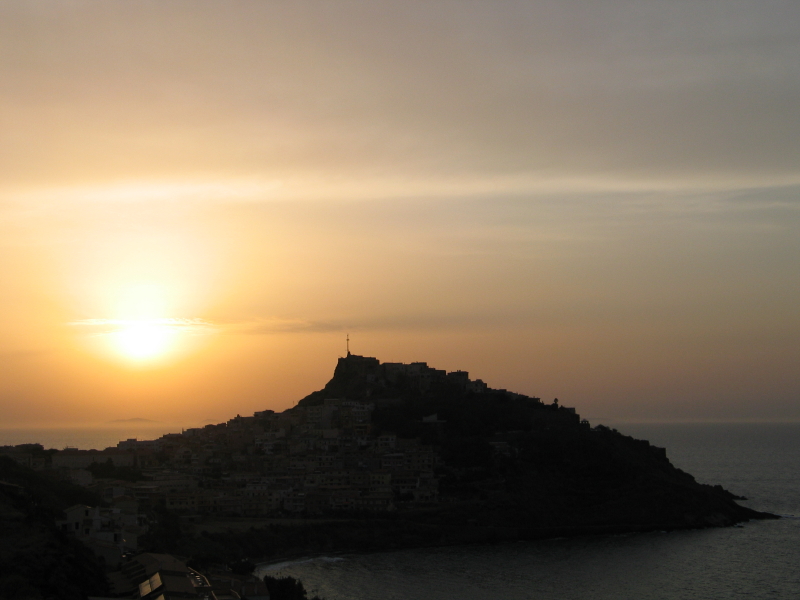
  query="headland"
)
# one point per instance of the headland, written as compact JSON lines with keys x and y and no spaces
{"x":386,"y":455}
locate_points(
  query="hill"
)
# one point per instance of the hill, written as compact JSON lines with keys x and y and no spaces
{"x":533,"y":469}
{"x":389,"y":455}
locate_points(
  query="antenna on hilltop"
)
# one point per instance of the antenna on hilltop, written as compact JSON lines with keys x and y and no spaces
{"x":348,"y":344}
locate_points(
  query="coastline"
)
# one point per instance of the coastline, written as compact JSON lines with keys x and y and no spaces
{"x":272,"y":565}
{"x":315,"y":540}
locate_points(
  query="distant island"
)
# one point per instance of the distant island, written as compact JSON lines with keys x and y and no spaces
{"x":386,"y":455}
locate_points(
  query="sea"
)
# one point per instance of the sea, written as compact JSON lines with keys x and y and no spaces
{"x":760,"y":559}
{"x":90,"y":437}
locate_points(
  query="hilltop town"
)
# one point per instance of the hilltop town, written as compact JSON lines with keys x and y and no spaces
{"x":385,"y":455}
{"x":325,"y":455}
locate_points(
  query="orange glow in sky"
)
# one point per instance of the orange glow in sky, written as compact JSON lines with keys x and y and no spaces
{"x":575,"y":200}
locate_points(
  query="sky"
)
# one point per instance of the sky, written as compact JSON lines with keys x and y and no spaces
{"x":595,"y":201}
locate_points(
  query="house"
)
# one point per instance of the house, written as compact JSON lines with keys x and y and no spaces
{"x":99,"y":528}
{"x":158,"y":577}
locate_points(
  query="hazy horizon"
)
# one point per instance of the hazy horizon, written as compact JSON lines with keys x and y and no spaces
{"x":595,"y":202}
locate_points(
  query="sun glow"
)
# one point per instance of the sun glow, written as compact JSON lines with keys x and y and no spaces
{"x":144,"y":340}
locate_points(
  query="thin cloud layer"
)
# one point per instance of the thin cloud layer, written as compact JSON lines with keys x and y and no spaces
{"x":106,"y":326}
{"x":347,"y":97}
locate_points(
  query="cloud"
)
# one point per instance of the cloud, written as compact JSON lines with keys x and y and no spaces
{"x":387,"y":99}
{"x":108,"y":326}
{"x":275,"y":325}
{"x":280,"y":326}
{"x":785,"y":196}
{"x":260,"y":326}
{"x":159,"y":191}
{"x":424,"y":321}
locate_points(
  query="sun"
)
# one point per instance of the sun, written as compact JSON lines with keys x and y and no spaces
{"x":143,"y":330}
{"x":143,"y":340}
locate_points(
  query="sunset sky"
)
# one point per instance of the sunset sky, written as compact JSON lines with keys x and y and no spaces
{"x":598,"y":201}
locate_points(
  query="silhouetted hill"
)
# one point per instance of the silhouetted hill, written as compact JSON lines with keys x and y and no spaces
{"x":389,"y":455}
{"x":511,"y":461}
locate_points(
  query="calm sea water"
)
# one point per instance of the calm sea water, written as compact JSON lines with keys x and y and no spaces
{"x":85,"y":438}
{"x":759,"y":560}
